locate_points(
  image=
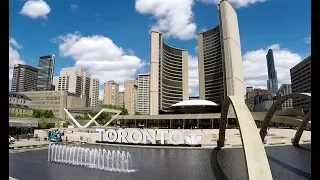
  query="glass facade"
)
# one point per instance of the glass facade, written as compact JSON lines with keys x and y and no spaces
{"x":272,"y":82}
{"x":45,"y":73}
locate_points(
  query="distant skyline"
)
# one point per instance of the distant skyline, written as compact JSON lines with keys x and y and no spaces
{"x":111,"y":40}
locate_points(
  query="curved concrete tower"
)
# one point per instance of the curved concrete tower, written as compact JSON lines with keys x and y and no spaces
{"x":231,"y":49}
{"x":168,"y":75}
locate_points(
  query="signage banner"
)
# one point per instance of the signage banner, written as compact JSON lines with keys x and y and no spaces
{"x":144,"y":136}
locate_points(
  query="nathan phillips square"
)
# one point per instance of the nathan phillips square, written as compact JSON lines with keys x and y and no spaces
{"x":214,"y":136}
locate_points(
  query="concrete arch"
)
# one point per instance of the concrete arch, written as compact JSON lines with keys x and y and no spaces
{"x":254,"y":152}
{"x":272,"y":110}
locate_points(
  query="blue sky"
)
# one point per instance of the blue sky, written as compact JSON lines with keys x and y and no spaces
{"x":111,"y":39}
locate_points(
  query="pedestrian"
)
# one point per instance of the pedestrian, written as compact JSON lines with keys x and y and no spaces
{"x":66,"y":139}
{"x":17,"y":137}
{"x":28,"y":136}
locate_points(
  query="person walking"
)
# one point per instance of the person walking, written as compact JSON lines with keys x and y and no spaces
{"x":28,"y":136}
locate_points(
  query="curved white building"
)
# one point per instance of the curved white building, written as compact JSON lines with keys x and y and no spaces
{"x":220,"y":59}
{"x":168,"y":75}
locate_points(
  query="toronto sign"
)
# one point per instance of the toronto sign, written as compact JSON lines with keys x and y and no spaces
{"x":144,"y":136}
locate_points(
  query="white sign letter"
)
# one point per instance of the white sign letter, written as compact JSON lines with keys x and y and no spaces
{"x":100,"y":134}
{"x":162,"y":132}
{"x":122,"y":136}
{"x":180,"y":138}
{"x":139,"y":138}
{"x":113,"y":135}
{"x":149,"y":134}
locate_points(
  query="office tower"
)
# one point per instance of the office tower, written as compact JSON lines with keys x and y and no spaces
{"x":130,"y":96}
{"x":24,"y":78}
{"x":220,"y":59}
{"x":111,"y":93}
{"x":75,"y":80}
{"x":272,"y":82}
{"x":301,"y":83}
{"x":94,"y":92}
{"x":45,"y":72}
{"x":210,"y":64}
{"x":143,"y":93}
{"x":284,"y":90}
{"x":121,"y":99}
{"x":168,"y":75}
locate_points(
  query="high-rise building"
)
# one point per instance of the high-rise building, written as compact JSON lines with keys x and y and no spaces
{"x":210,"y":64}
{"x":168,"y":75}
{"x":272,"y":82}
{"x":130,"y":96}
{"x":143,"y":93}
{"x":76,"y":80}
{"x":121,"y":99}
{"x":301,"y":83}
{"x":220,"y":59}
{"x":45,"y":72}
{"x":24,"y":78}
{"x":284,"y":90}
{"x":94,"y":92}
{"x":111,"y":93}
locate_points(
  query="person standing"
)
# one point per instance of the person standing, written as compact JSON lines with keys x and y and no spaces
{"x":28,"y":136}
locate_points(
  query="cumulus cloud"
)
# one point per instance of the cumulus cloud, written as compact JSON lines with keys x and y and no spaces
{"x":14,"y":56}
{"x":36,"y":9}
{"x":307,"y":40}
{"x":235,"y":3}
{"x":74,"y":7}
{"x":255,"y":66}
{"x":174,"y":17}
{"x":99,"y":56}
{"x":193,"y":75}
{"x":14,"y":43}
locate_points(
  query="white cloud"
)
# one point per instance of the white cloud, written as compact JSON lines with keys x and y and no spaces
{"x":14,"y":43}
{"x":74,"y":7}
{"x":174,"y":17}
{"x":255,"y":66}
{"x":99,"y":56}
{"x":14,"y":56}
{"x":235,"y":3}
{"x":36,"y":9}
{"x":193,"y":75}
{"x":307,"y":40}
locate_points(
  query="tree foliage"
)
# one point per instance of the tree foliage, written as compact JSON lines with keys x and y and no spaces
{"x":43,"y":123}
{"x":249,"y":105}
{"x":38,"y":113}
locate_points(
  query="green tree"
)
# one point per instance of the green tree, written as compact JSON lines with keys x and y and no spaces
{"x":37,"y":113}
{"x":249,"y":105}
{"x":43,"y":123}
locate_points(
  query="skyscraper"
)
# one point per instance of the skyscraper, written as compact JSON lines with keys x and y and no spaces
{"x":272,"y":82}
{"x":168,"y":75}
{"x":130,"y":94}
{"x":210,"y":64}
{"x":143,"y":93}
{"x":301,"y":83}
{"x":220,"y":59}
{"x":45,"y":72}
{"x":76,"y":80}
{"x":94,"y":92}
{"x":24,"y":78}
{"x":111,"y":93}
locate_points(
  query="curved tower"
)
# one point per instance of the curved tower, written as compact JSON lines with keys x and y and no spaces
{"x":168,"y":75}
{"x":210,"y":64}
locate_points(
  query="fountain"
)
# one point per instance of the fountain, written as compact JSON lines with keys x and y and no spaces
{"x":101,"y":159}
